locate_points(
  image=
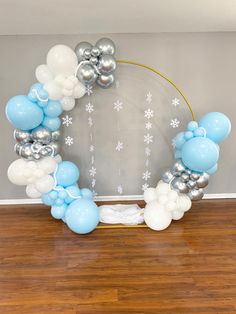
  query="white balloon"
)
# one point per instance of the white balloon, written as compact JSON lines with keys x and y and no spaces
{"x":62,"y":59}
{"x":156,"y":217}
{"x":67,"y":92}
{"x":177,"y":215}
{"x":162,"y":188}
{"x":60,"y":79}
{"x":79,"y":90}
{"x":43,"y":74}
{"x":47,"y":164}
{"x":173,"y":195}
{"x":32,"y":192}
{"x":45,"y":184}
{"x":150,"y":195}
{"x":183,"y":203}
{"x":53,"y":89}
{"x":67,"y":103}
{"x":162,"y":199}
{"x":16,"y":172}
{"x":171,"y":206}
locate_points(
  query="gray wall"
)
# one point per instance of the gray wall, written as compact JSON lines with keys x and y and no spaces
{"x":203,"y":64}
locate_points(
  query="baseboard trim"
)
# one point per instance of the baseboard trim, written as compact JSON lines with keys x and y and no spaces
{"x":26,"y":201}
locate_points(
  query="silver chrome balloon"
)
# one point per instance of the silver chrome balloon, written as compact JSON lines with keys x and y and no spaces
{"x":86,"y":74}
{"x":178,"y":167}
{"x":94,"y":60}
{"x":95,"y":52}
{"x":87,"y":54}
{"x":179,"y":185}
{"x":80,"y":48}
{"x":185,"y":177}
{"x":56,"y":135}
{"x":191,"y":184}
{"x":26,"y":151}
{"x":22,"y":136}
{"x":107,"y":64}
{"x":167,"y":176}
{"x":203,"y":180}
{"x":106,"y":45}
{"x":42,"y":135}
{"x":55,"y":146}
{"x":196,"y":194}
{"x":195,"y":176}
{"x":105,"y":81}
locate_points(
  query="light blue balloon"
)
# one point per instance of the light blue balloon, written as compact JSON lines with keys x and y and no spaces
{"x":59,"y":202}
{"x":58,"y":212}
{"x":86,"y":193}
{"x":53,"y":124}
{"x":200,"y":154}
{"x":47,"y":200}
{"x":73,"y":192}
{"x":192,"y":125}
{"x":23,"y":113}
{"x":217,"y":126}
{"x":67,"y":173}
{"x":213,"y":169}
{"x":200,"y":132}
{"x":32,"y":94}
{"x":179,"y":140}
{"x":53,"y":109}
{"x":188,"y":135}
{"x":82,"y":216}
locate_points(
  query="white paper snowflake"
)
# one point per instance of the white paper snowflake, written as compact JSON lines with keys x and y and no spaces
{"x":147,"y":151}
{"x":119,"y":146}
{"x":90,"y":121}
{"x":69,"y":141}
{"x":149,"y":97}
{"x":120,"y":189}
{"x":93,"y":183}
{"x":91,"y":148}
{"x":67,"y":120}
{"x":145,"y":186}
{"x":148,"y":138}
{"x":89,"y":90}
{"x":146,"y":175}
{"x":118,"y":105}
{"x":89,"y":108}
{"x":147,"y":163}
{"x":92,"y":171}
{"x":149,"y":113}
{"x":175,"y":102}
{"x":174,"y":123}
{"x":148,"y":125}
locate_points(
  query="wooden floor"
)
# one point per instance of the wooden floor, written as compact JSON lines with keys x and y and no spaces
{"x":188,"y":268}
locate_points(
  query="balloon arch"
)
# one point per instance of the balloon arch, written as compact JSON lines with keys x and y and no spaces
{"x":65,"y":77}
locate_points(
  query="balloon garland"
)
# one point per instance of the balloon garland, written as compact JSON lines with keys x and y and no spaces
{"x":65,"y":77}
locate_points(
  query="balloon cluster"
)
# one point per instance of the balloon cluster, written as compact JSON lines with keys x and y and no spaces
{"x":96,"y":63}
{"x":196,"y":153}
{"x":186,"y":181}
{"x":58,"y":76}
{"x":163,"y":205}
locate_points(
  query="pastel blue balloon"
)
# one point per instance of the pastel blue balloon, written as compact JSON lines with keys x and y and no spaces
{"x":179,"y":140}
{"x":52,"y":124}
{"x":217,"y":126}
{"x":67,"y":173}
{"x":200,"y":154}
{"x":53,"y":109}
{"x":23,"y":113}
{"x":188,"y":135}
{"x":200,"y":132}
{"x":73,"y":192}
{"x":58,"y":212}
{"x":213,"y":169}
{"x":59,"y":202}
{"x":192,"y":125}
{"x":47,"y":200}
{"x":86,"y":193}
{"x":82,"y":216}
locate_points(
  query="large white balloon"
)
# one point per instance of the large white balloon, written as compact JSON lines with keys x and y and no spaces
{"x":67,"y":103}
{"x":47,"y":164}
{"x":183,"y":203}
{"x":162,"y":188}
{"x":79,"y":90}
{"x":16,"y":172}
{"x":61,"y":59}
{"x":150,"y":195}
{"x":177,"y":215}
{"x":45,"y":184}
{"x":43,"y":74}
{"x":32,"y":192}
{"x":156,"y":216}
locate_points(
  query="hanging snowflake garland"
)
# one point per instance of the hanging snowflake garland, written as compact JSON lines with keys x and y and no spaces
{"x":68,"y":75}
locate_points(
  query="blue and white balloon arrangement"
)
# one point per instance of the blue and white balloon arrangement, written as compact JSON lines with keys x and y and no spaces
{"x":64,"y":78}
